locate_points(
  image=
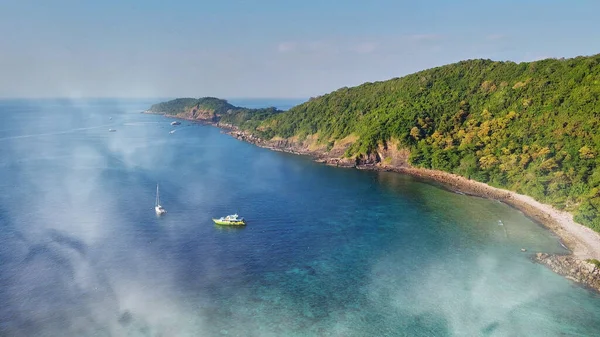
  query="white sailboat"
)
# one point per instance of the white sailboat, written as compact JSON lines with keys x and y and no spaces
{"x":158,"y":208}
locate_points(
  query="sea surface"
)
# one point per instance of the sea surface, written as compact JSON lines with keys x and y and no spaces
{"x":326,"y":252}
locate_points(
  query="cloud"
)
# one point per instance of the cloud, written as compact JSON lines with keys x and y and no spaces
{"x":495,"y":37}
{"x":286,"y":47}
{"x":319,"y":46}
{"x":365,"y":47}
{"x":480,"y":300}
{"x":306,"y":47}
{"x":424,"y":37}
{"x":65,"y":239}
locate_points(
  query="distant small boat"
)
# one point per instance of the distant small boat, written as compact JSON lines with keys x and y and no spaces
{"x":175,"y":123}
{"x":157,"y":207}
{"x":172,"y":131}
{"x":112,"y":130}
{"x":230,"y":220}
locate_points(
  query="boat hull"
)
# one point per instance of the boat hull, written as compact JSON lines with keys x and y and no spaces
{"x":229,"y":223}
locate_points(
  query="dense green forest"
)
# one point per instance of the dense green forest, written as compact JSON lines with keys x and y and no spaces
{"x":530,"y":127}
{"x":174,"y":107}
{"x":216,"y":109}
{"x":180,"y":105}
{"x":248,"y":119}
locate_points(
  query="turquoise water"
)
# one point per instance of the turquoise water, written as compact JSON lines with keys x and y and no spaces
{"x":327,"y":251}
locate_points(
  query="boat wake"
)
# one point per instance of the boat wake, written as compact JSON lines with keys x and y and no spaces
{"x":140,"y":123}
{"x":55,"y":133}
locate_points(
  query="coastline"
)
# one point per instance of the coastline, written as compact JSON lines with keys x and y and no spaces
{"x":582,"y":242}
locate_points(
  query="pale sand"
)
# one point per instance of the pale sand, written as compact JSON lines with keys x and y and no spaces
{"x":583,"y":242}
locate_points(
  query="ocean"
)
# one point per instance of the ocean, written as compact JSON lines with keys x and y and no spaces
{"x":326,"y":251}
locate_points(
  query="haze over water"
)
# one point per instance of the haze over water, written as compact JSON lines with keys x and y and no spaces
{"x":327,"y":251}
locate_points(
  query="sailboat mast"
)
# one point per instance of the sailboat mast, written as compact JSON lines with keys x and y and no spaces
{"x":157,"y":197}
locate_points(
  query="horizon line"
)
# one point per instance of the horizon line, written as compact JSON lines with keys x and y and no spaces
{"x":7,"y":98}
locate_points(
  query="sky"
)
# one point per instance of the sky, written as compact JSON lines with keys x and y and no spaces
{"x":268,"y":48}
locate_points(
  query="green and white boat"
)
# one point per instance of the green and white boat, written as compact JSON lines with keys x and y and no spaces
{"x":230,"y":220}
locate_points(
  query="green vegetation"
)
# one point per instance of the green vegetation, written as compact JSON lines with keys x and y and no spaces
{"x":212,"y":105}
{"x":174,"y":107}
{"x":248,"y":119}
{"x":216,"y":105}
{"x":594,"y":262}
{"x":533,"y":128}
{"x":214,"y":109}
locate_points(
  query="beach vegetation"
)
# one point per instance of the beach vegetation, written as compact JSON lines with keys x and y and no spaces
{"x":594,"y":262}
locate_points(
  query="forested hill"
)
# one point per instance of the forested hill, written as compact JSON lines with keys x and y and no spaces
{"x":214,"y":110}
{"x":181,"y":105}
{"x":531,"y":127}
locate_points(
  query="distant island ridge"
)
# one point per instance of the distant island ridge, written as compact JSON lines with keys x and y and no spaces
{"x":527,"y":134}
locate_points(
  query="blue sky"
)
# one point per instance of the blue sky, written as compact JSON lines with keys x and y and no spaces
{"x":268,"y":48}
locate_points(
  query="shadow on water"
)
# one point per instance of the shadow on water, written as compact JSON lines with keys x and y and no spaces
{"x":229,"y":229}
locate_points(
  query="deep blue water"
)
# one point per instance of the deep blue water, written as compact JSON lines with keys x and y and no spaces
{"x":327,"y":251}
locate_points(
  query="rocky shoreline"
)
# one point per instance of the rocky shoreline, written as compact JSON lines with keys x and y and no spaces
{"x":583,"y":243}
{"x":583,"y":272}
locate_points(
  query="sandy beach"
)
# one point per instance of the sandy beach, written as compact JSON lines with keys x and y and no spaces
{"x":583,"y":242}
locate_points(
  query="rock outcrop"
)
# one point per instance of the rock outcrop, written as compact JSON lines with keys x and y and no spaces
{"x":583,"y":272}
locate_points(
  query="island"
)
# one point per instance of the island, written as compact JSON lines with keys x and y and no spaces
{"x":215,"y":111}
{"x":527,"y":134}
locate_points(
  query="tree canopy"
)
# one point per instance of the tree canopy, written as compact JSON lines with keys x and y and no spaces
{"x":531,"y":127}
{"x":216,"y":110}
{"x":181,"y":105}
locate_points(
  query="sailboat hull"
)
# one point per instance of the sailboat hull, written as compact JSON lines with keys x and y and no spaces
{"x":159,"y":210}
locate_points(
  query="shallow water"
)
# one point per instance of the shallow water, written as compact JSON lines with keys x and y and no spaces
{"x":327,"y":251}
